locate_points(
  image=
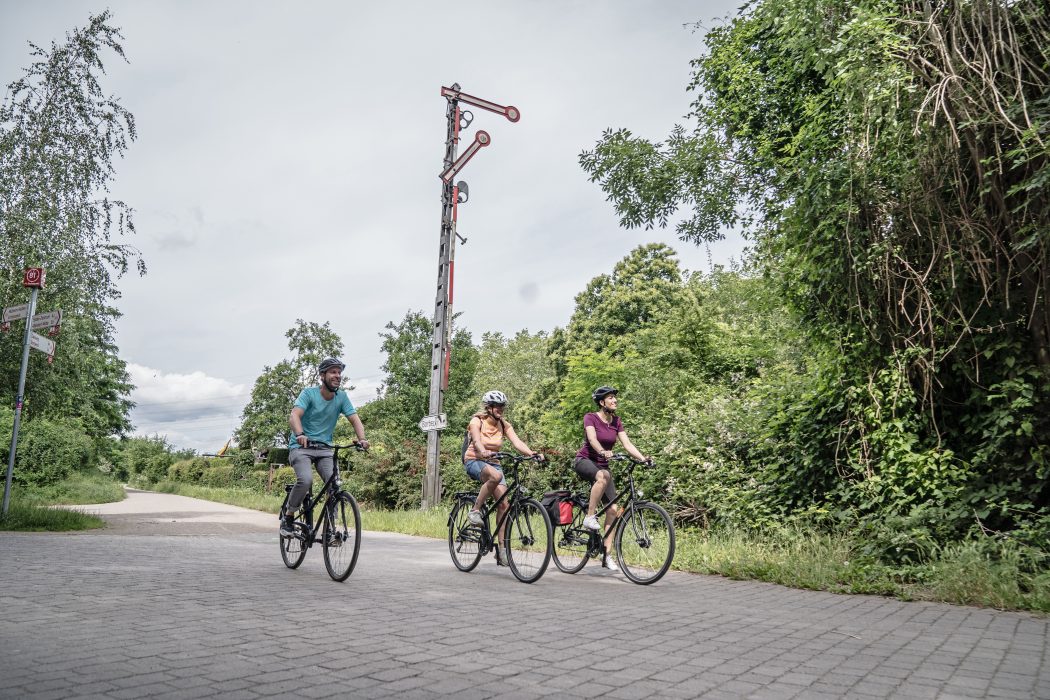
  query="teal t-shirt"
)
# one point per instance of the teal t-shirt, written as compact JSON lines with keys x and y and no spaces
{"x":320,"y":416}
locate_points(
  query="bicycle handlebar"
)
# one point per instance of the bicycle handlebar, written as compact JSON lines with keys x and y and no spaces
{"x":632,"y":460}
{"x":324,"y":445}
{"x":518,"y":458}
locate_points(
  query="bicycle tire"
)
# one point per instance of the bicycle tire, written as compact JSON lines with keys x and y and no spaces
{"x":341,"y":538}
{"x":649,"y":549}
{"x":527,"y":540}
{"x":293,"y":549}
{"x":571,"y":543}
{"x":464,"y":538}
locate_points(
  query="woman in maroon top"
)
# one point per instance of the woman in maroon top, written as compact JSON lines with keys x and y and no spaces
{"x":601,"y":430}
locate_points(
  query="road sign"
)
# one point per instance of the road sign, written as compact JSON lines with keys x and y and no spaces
{"x":51,"y":319}
{"x":33,"y":277}
{"x":15,"y":313}
{"x":44,"y":345}
{"x":438,"y":422}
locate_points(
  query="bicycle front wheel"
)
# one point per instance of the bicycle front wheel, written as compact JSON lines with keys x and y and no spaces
{"x":293,"y":549}
{"x":645,"y":543}
{"x":527,"y":541}
{"x":464,"y":538}
{"x":341,"y":539}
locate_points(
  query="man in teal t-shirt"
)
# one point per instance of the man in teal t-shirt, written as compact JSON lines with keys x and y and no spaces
{"x":313,"y":420}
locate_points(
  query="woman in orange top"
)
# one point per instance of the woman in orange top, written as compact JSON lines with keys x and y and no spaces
{"x":487,"y":431}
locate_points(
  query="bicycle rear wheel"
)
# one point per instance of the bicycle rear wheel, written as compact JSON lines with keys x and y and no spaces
{"x":645,"y":543}
{"x":527,"y":541}
{"x":464,"y":539}
{"x":293,"y":549}
{"x":341,"y":539}
{"x":571,"y":543}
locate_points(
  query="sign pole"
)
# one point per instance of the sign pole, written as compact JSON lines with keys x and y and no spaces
{"x":19,"y":397}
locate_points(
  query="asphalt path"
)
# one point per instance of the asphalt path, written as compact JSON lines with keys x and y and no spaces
{"x":182,"y":598}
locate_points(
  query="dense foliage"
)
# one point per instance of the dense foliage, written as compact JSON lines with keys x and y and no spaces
{"x":889,"y":162}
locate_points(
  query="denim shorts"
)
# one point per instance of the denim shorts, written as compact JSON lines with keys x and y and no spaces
{"x":475,"y":466}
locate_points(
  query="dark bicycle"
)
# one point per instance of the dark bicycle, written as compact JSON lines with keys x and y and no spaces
{"x":526,"y":537}
{"x":644,"y":540}
{"x":339,"y":528}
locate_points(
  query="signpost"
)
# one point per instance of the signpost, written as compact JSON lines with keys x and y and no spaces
{"x":34,"y":280}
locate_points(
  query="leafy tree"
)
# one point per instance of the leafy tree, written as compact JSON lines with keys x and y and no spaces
{"x":404,"y":397}
{"x":637,"y":294}
{"x":518,"y":367}
{"x":59,"y":136}
{"x":264,"y":421}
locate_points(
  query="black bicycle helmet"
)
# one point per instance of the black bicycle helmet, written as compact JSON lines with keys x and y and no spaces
{"x":328,"y":363}
{"x":603,"y":391}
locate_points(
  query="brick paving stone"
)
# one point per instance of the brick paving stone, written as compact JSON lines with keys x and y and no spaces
{"x":207,"y":618}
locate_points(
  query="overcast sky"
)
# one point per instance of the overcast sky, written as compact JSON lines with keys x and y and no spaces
{"x":287,"y":167}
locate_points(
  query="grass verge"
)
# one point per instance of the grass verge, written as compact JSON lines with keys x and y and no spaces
{"x":29,"y":509}
{"x":24,"y":516}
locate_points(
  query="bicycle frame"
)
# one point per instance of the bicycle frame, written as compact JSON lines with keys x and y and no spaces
{"x":516,"y":493}
{"x":327,"y":492}
{"x":630,"y":490}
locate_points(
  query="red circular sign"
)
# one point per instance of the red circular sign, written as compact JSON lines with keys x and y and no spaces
{"x":33,"y":277}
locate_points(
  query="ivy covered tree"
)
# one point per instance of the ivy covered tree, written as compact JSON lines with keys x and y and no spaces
{"x":890,"y":162}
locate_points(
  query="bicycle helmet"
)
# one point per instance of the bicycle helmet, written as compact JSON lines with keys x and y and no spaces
{"x":329,"y":363}
{"x":494,"y":397}
{"x":601,"y":392}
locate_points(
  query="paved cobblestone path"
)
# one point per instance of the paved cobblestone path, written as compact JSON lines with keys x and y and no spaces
{"x":190,"y":614}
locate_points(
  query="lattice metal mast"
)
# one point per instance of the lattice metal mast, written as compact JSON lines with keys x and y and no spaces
{"x":451,"y":196}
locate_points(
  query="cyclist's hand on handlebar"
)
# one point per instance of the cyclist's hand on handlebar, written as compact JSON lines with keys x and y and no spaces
{"x":361,"y":445}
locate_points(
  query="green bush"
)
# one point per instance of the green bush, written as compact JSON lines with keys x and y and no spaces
{"x":218,"y":475}
{"x":281,"y":477}
{"x":51,"y":450}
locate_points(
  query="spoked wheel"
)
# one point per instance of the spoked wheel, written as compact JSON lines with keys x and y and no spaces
{"x":645,"y":543}
{"x":464,"y":539}
{"x":341,"y":539}
{"x":571,"y":543}
{"x":293,"y":549}
{"x":528,"y":540}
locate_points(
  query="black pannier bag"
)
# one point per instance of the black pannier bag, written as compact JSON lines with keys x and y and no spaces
{"x":559,"y":506}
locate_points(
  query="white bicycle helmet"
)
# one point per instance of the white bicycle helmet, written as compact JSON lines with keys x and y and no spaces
{"x":494,"y":397}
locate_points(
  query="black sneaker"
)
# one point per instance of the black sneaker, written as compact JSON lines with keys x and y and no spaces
{"x":288,"y":528}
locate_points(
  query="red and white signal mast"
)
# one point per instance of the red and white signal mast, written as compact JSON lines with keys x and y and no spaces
{"x":452,"y":196}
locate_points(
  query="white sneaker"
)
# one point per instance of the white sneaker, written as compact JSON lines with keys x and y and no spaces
{"x":609,"y":562}
{"x":591,"y":523}
{"x":475,"y":517}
